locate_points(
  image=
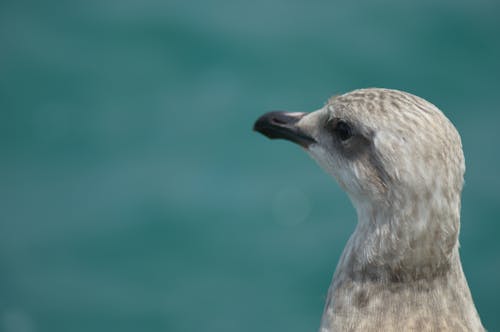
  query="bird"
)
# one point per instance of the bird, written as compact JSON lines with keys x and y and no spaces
{"x":400,"y":161}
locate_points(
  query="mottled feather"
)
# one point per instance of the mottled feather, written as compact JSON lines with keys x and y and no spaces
{"x":403,"y":170}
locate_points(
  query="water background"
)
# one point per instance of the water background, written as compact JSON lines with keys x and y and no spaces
{"x":134,"y":195}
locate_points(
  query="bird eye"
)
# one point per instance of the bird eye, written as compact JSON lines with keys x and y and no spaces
{"x":343,"y":130}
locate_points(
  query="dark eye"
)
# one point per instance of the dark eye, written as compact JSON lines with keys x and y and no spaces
{"x":343,"y":130}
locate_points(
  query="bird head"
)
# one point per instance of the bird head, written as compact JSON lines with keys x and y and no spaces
{"x":389,"y":150}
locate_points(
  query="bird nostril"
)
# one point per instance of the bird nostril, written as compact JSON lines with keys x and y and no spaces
{"x":277,"y":121}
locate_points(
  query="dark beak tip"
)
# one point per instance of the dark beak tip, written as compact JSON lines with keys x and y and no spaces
{"x":282,"y":125}
{"x":267,"y":124}
{"x":257,"y":125}
{"x":264,"y":129}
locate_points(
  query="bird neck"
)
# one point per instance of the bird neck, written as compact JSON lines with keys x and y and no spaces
{"x":389,"y":267}
{"x":394,"y":241}
{"x":377,"y":299}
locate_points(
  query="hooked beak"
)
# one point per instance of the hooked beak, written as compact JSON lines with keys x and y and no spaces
{"x":283,"y":125}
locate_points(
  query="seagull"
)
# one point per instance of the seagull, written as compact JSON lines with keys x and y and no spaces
{"x":400,"y":161}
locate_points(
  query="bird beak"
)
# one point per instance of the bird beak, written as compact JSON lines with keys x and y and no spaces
{"x":283,"y":125}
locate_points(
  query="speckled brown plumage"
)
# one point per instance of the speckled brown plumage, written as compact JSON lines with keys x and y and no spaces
{"x":402,"y":165}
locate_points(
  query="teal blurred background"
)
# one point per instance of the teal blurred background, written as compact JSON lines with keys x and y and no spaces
{"x":134,"y":195}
